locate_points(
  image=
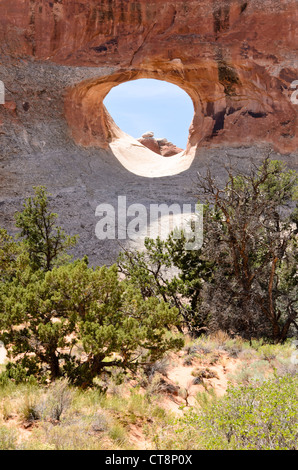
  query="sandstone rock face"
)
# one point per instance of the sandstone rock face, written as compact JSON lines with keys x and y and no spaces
{"x":168,"y":149}
{"x":235,"y":58}
{"x":148,"y":135}
{"x":148,"y":140}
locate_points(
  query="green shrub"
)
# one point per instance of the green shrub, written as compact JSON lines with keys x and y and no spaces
{"x":118,"y":434}
{"x":18,"y":373}
{"x":29,"y":409}
{"x":253,"y":417}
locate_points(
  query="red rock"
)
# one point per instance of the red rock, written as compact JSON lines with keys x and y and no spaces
{"x":235,"y":58}
{"x":151,"y":144}
{"x":167,"y":149}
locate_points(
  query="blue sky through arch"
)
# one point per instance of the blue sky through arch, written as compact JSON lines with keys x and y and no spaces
{"x":146,"y":105}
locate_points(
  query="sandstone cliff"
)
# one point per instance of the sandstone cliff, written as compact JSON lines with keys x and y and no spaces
{"x":236,"y":59}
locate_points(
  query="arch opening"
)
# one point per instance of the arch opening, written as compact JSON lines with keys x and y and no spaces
{"x":156,"y":113}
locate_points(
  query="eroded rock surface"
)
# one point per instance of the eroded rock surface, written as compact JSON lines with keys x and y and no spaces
{"x":236,"y":59}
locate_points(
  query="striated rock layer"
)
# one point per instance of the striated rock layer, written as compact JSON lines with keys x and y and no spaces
{"x":236,"y":59}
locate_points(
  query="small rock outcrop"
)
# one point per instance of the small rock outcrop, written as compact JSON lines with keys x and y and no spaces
{"x":237,"y":60}
{"x":160,"y":146}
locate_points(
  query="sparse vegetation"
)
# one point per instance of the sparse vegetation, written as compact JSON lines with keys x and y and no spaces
{"x":91,"y":356}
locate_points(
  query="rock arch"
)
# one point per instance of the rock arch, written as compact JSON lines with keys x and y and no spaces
{"x":237,"y":59}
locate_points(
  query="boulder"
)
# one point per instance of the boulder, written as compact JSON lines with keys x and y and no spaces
{"x":236,"y":59}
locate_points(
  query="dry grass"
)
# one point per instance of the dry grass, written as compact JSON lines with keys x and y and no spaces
{"x":141,"y":411}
